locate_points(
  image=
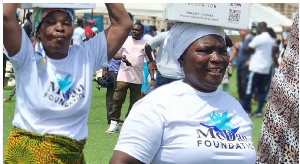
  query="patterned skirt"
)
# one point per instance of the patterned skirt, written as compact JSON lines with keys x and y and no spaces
{"x":32,"y":148}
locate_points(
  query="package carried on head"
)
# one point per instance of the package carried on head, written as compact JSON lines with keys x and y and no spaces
{"x":59,"y":5}
{"x":227,"y":15}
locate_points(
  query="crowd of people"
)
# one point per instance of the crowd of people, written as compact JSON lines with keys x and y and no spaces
{"x":54,"y":64}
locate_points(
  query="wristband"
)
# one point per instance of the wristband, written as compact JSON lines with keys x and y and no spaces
{"x":153,"y":79}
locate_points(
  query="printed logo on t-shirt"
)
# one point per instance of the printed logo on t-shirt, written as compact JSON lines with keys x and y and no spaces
{"x":219,"y":133}
{"x":63,"y":94}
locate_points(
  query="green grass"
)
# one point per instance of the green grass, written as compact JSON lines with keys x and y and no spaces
{"x":100,"y":145}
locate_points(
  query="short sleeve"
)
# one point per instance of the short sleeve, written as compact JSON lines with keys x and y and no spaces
{"x":254,"y":43}
{"x":23,"y":58}
{"x":155,"y":42}
{"x":142,"y":131}
{"x":96,"y":51}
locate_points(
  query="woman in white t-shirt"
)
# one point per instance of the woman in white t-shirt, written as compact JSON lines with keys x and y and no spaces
{"x":191,"y":120}
{"x":54,"y":82}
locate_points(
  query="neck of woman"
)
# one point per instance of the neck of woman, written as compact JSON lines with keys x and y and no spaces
{"x":202,"y":87}
{"x":56,"y":55}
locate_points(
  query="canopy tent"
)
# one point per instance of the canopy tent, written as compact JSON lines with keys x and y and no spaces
{"x":141,"y":9}
{"x":269,"y":15}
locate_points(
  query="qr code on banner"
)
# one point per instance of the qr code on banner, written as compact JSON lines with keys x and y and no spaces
{"x":234,"y":15}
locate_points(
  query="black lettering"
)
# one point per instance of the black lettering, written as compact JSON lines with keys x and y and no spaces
{"x":209,"y":131}
{"x":70,"y":103}
{"x":81,"y":96}
{"x":45,"y":94}
{"x":207,"y":143}
{"x":73,"y":93}
{"x":245,"y":138}
{"x":223,"y":145}
{"x":230,"y":146}
{"x":51,"y":97}
{"x":56,"y":99}
{"x":80,"y":89}
{"x":219,"y":135}
{"x":229,"y":135}
{"x":52,"y":88}
{"x":238,"y":146}
{"x":199,"y":142}
{"x":216,"y":144}
{"x":62,"y":101}
{"x":238,"y":137}
{"x":243,"y":145}
{"x":66,"y":104}
{"x":251,"y":146}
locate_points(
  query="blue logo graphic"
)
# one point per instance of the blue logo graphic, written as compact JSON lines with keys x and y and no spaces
{"x":220,"y":122}
{"x":65,"y":86}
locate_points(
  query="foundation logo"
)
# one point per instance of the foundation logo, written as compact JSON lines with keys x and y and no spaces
{"x":64,"y":85}
{"x":64,"y":93}
{"x":220,"y":122}
{"x":219,"y":133}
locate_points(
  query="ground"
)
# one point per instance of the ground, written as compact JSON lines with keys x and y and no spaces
{"x":100,"y":144}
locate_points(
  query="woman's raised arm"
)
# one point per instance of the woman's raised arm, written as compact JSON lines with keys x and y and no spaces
{"x":12,"y":34}
{"x":119,"y":29}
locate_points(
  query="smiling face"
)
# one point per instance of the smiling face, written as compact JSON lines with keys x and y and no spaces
{"x":56,"y":32}
{"x":204,"y":63}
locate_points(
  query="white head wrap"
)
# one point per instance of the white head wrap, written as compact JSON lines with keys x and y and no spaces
{"x":182,"y":35}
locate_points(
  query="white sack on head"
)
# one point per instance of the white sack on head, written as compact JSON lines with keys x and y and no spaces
{"x":182,"y":35}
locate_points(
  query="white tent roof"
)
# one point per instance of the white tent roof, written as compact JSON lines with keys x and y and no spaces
{"x":269,"y":15}
{"x":141,"y":9}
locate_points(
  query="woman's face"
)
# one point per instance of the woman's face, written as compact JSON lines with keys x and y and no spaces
{"x":205,"y":63}
{"x":56,"y":32}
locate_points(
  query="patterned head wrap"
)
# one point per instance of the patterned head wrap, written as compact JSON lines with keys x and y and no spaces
{"x":39,"y":15}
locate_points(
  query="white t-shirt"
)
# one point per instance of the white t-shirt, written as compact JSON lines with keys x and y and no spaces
{"x":164,"y":61}
{"x":55,"y":97}
{"x":261,"y":60}
{"x":78,"y":35}
{"x":147,"y":37}
{"x":178,"y":124}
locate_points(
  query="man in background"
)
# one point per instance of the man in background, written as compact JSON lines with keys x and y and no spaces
{"x":260,"y":67}
{"x":79,"y":35}
{"x":242,"y":63}
{"x":89,"y":33}
{"x":130,"y":75}
{"x":168,"y":71}
{"x":28,"y":26}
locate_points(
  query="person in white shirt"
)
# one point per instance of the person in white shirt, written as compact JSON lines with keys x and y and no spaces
{"x":191,"y":120}
{"x":79,"y":35}
{"x":54,"y":82}
{"x":166,"y":66}
{"x":147,"y":37}
{"x":259,"y":68}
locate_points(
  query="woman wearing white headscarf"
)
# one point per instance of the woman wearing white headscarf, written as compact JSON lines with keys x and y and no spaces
{"x":191,"y":120}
